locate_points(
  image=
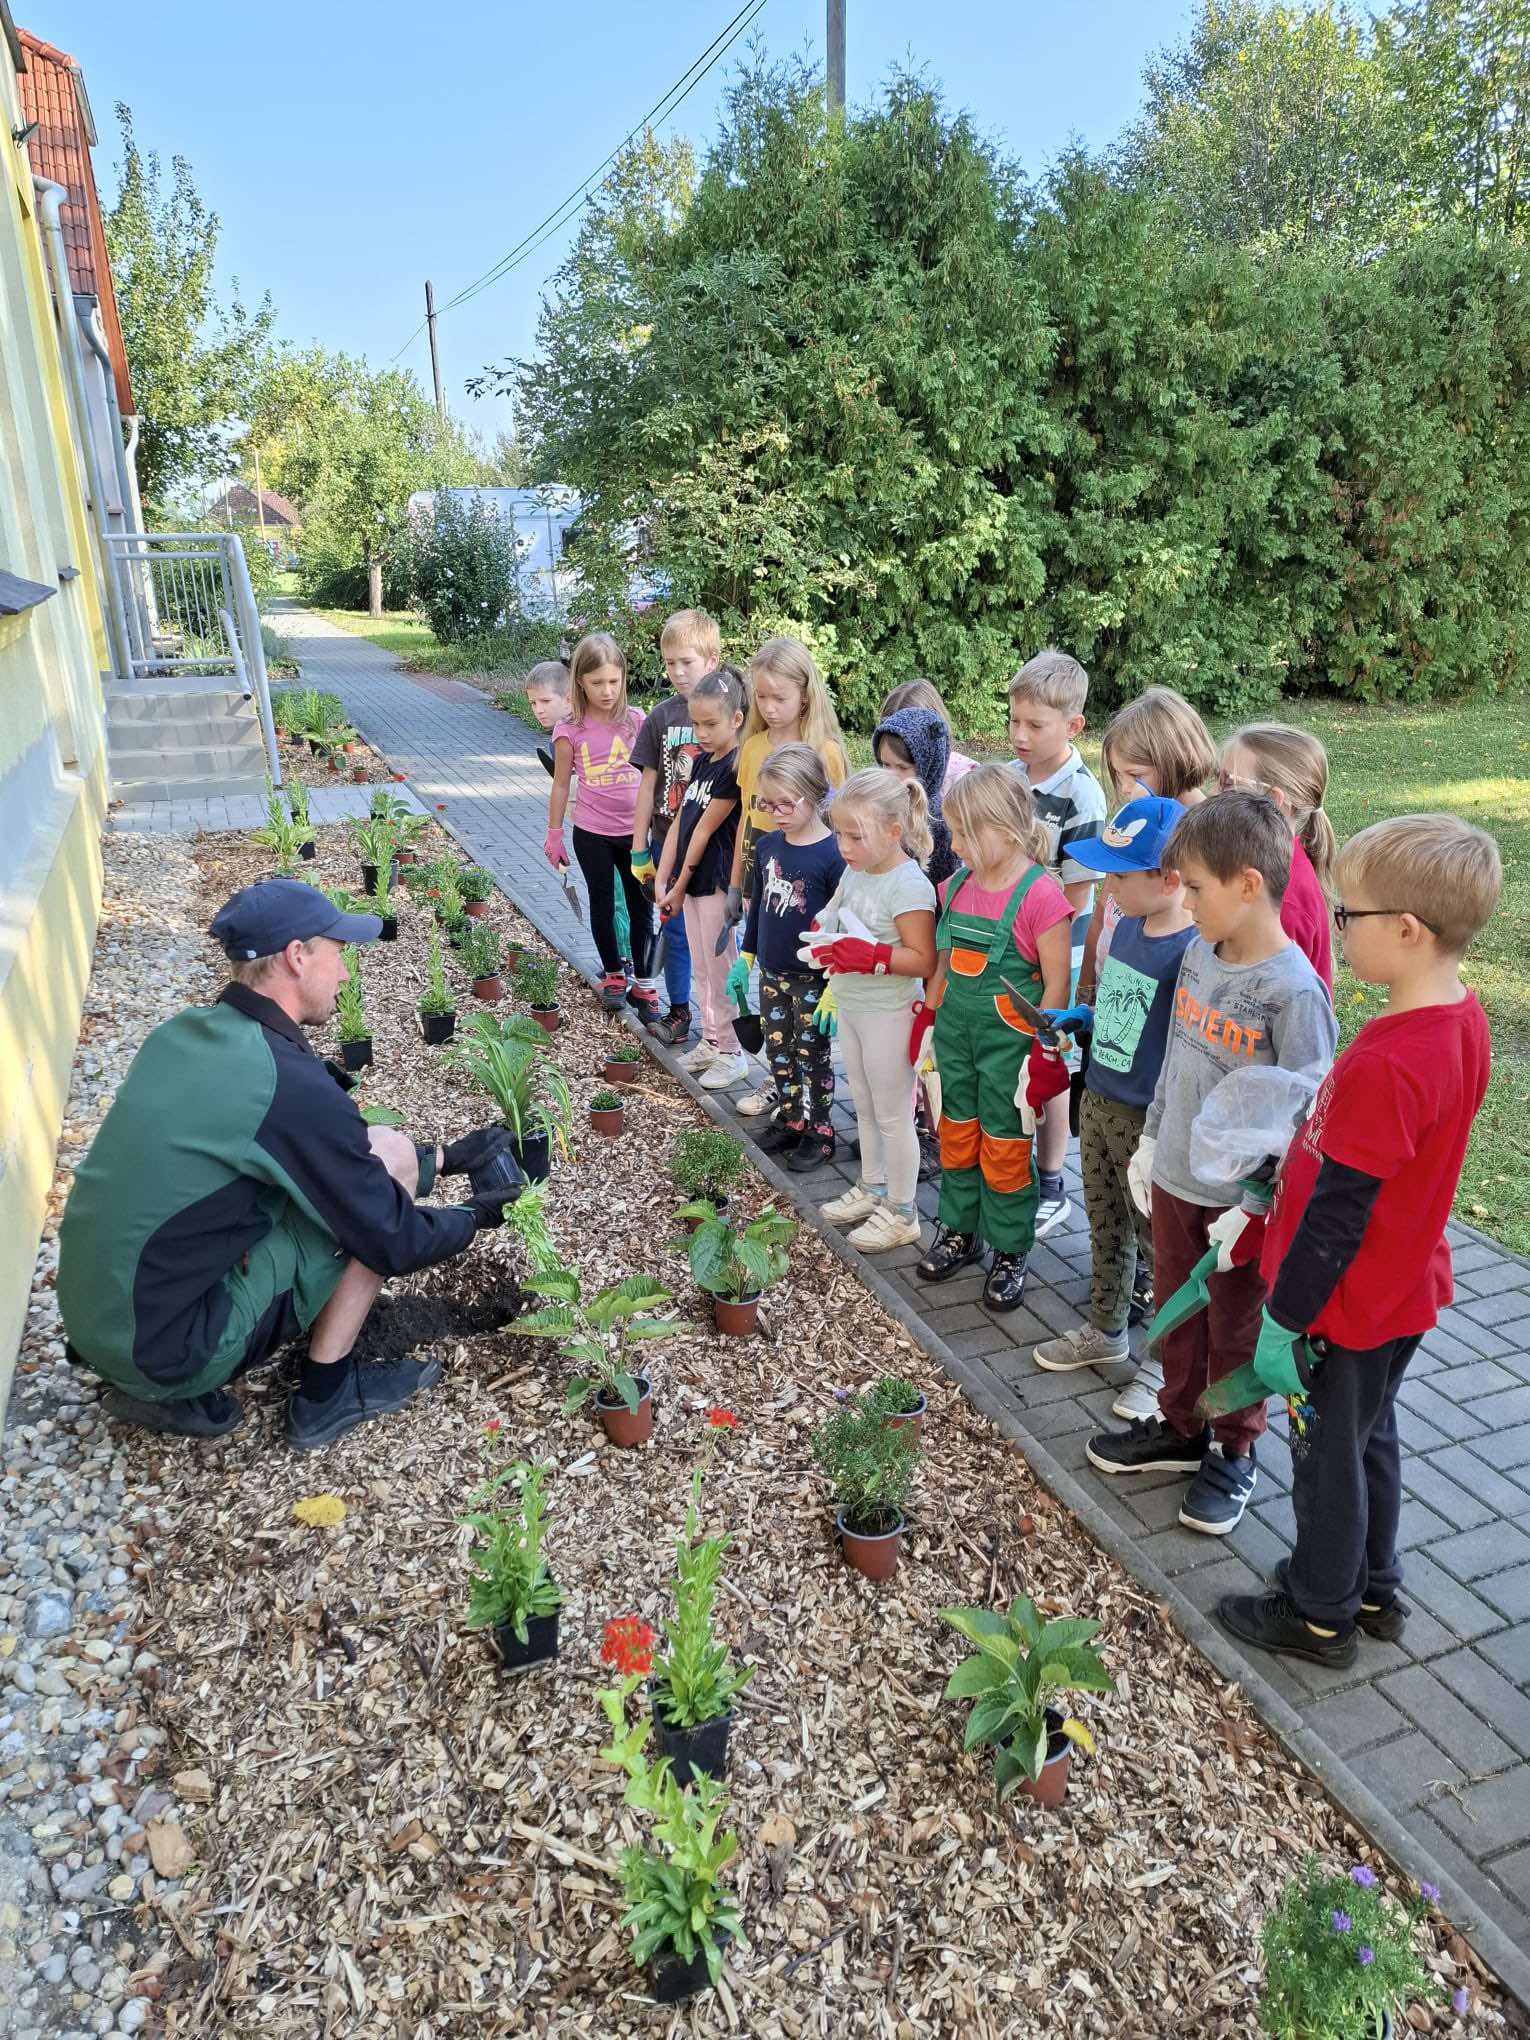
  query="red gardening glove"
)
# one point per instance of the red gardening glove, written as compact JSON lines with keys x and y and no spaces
{"x":1047,"y":1075}
{"x":924,"y":1020}
{"x":851,"y":954}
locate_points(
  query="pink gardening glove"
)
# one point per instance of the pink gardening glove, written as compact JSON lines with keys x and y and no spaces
{"x":553,"y":849}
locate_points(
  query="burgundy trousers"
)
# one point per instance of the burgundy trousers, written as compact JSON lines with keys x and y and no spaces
{"x":1215,"y":1341}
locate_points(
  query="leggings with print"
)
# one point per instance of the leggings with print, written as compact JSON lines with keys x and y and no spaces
{"x":798,"y":1053}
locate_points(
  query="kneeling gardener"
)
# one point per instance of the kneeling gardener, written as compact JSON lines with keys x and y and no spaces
{"x":234,"y":1198}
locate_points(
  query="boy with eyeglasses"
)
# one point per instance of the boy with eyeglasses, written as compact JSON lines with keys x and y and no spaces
{"x":1354,"y":1246}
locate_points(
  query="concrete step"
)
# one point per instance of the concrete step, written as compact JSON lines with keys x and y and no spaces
{"x":154,"y":699}
{"x":140,"y":791}
{"x":131,"y":767}
{"x":206,"y":732}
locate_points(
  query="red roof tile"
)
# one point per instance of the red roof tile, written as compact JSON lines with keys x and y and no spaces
{"x":53,"y":94}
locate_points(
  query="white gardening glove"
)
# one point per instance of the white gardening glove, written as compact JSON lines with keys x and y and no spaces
{"x":1023,"y":1104}
{"x":1225,"y":1231}
{"x":1139,"y":1175}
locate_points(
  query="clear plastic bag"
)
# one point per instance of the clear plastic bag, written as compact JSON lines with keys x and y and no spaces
{"x":1245,"y":1125}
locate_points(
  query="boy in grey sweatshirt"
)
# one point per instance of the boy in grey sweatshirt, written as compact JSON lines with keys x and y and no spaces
{"x":1246,"y":997}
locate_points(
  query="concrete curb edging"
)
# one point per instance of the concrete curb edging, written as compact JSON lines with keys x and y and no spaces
{"x":1354,"y":1798}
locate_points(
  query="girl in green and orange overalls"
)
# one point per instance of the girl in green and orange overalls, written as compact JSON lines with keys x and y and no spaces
{"x":1002,"y":917}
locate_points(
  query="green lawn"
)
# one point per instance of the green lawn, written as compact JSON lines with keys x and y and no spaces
{"x":400,"y":631}
{"x":1471,"y":759}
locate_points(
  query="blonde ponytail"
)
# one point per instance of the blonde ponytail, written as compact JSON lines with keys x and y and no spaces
{"x":892,"y":803}
{"x":1293,"y":763}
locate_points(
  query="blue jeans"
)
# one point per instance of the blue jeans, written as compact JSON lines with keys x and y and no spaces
{"x":677,"y":951}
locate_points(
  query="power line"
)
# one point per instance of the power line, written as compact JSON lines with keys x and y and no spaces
{"x":662,"y":109}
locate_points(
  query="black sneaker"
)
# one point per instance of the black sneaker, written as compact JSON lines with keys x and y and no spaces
{"x":1005,"y":1287}
{"x":778,"y":1136}
{"x":811,"y":1152}
{"x":373,"y":1389}
{"x":1221,"y":1491}
{"x":1386,"y":1622}
{"x":929,"y":1158}
{"x":950,"y":1252}
{"x":674,"y":1028}
{"x":212,"y":1415}
{"x":1147,"y":1445}
{"x":1269,"y":1622}
{"x":645,"y":1004}
{"x":1141,"y":1310}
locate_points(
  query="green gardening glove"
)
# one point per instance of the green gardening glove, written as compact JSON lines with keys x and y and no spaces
{"x":1283,"y":1360}
{"x":643,"y":867}
{"x":826,"y":1012}
{"x":736,"y":984}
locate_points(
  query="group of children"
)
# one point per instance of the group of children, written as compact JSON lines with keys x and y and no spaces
{"x":940,"y":917}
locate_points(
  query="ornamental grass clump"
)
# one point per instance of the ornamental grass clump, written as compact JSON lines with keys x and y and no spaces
{"x":350,"y":1007}
{"x":508,"y":1059}
{"x":436,"y":999}
{"x":1338,"y":1954}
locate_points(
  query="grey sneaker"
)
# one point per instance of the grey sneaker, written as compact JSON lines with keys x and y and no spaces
{"x":1084,"y":1346}
{"x":1050,"y":1214}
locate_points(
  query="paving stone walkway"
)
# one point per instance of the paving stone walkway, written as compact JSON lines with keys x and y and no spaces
{"x":1437,"y":1727}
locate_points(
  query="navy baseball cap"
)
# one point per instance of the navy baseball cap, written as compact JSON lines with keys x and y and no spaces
{"x":265,"y":917}
{"x":1133,"y":838}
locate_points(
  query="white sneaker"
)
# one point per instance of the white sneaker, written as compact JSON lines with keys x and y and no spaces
{"x":1139,"y":1398}
{"x":1084,"y":1346}
{"x":1050,"y":1213}
{"x":856,"y":1202}
{"x":724,"y":1071}
{"x":759,"y":1101}
{"x":884,"y":1229}
{"x":701,"y":1057}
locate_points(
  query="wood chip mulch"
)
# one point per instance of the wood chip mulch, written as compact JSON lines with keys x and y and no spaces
{"x":399,"y":1841}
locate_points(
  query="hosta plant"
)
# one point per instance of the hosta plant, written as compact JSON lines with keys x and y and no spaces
{"x":598,"y":1333}
{"x":510,"y":1581}
{"x":735,"y":1261}
{"x":1021,"y":1660}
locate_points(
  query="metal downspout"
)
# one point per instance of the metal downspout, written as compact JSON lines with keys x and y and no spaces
{"x":51,"y":197}
{"x":98,"y":347}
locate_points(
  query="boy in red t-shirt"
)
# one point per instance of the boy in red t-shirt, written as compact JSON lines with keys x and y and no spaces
{"x":1354,"y":1248}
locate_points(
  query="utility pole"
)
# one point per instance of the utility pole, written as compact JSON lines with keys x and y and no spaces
{"x":260,"y":495}
{"x":435,"y":359}
{"x":836,"y":49}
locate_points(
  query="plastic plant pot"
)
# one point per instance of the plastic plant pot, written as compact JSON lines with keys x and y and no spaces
{"x":912,"y":1420}
{"x":359,"y":774}
{"x":475,"y":909}
{"x":624,"y":1426}
{"x":737,"y":1316}
{"x":437,"y":1028}
{"x":702,"y":1750}
{"x":548,"y":1018}
{"x":620,"y":1072}
{"x":609,"y":1120}
{"x":488,"y":989}
{"x":356,"y":1055}
{"x":674,"y":1980}
{"x":308,"y":851}
{"x":534,"y":1155}
{"x":540,"y":1647}
{"x":1051,"y":1787}
{"x":874,"y":1553}
{"x":389,"y":928}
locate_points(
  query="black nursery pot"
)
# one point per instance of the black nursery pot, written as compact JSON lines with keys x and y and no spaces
{"x":308,"y":851}
{"x":674,"y":1980}
{"x":356,"y":1055}
{"x":534,"y":1154}
{"x":701,"y":1751}
{"x":437,"y":1027}
{"x":389,"y":928}
{"x":541,"y":1642}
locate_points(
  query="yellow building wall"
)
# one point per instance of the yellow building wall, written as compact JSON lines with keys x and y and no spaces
{"x":53,"y":778}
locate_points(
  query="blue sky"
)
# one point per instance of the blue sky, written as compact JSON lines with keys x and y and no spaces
{"x":354,"y":147}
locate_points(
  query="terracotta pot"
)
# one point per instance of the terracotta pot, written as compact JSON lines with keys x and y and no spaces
{"x":736,"y":1316}
{"x":719,"y":1203}
{"x":912,"y":1420}
{"x":488,"y":989}
{"x":437,"y":1028}
{"x":674,"y":1980}
{"x":359,"y":774}
{"x":620,"y":1072}
{"x":1051,"y":1787}
{"x":475,"y":909}
{"x":701,"y":1751}
{"x":406,"y":856}
{"x":610,"y":1120}
{"x":334,"y":764}
{"x":534,"y":1154}
{"x":356,"y":1055}
{"x":873,"y":1554}
{"x":547,"y":1017}
{"x":624,"y":1426}
{"x":540,"y":1646}
{"x":514,"y":951}
{"x":389,"y":928}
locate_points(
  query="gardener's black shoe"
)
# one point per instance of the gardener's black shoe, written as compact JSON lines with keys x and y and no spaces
{"x":372,"y":1388}
{"x":212,"y":1415}
{"x":779,"y":1135}
{"x":813,"y":1151}
{"x":1141,"y":1310}
{"x":1270,"y":1622}
{"x":1147,"y":1445}
{"x":950,"y":1251}
{"x":1005,"y":1286}
{"x":674,"y":1028}
{"x":1386,"y":1621}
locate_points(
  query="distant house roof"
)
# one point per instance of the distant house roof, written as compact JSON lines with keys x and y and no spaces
{"x":239,"y":501}
{"x":53,"y":94}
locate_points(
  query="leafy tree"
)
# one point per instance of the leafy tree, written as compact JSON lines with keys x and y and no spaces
{"x":1460,"y":72}
{"x":193,"y":359}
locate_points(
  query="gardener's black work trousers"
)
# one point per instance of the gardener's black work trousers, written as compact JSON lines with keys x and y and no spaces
{"x":1346,"y":1484}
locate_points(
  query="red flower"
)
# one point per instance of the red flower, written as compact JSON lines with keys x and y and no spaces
{"x":628,"y":1645}
{"x":440,"y":807}
{"x":722,"y":1420}
{"x":399,"y":777}
{"x":492,"y":1426}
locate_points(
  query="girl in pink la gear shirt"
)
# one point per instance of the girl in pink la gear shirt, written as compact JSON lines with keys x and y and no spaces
{"x":592,"y":747}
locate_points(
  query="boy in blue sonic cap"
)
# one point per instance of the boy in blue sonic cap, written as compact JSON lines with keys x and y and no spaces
{"x":1129,"y":1028}
{"x":234,"y":1198}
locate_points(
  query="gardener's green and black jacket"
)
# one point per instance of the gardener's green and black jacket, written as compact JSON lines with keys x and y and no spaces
{"x":226,"y":1115}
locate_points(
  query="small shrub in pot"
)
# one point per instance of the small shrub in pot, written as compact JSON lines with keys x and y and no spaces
{"x":871,"y":1469}
{"x":695,"y":1680}
{"x":607,"y":1115}
{"x":1340,"y":1957}
{"x":480,"y":959}
{"x":475,"y":886}
{"x":898,"y":1401}
{"x":706,"y":1162}
{"x":622,"y":1064}
{"x":536,"y":986}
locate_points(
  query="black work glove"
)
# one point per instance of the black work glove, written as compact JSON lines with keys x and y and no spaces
{"x":494,"y":1184}
{"x":474,"y":1150}
{"x":545,"y":760}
